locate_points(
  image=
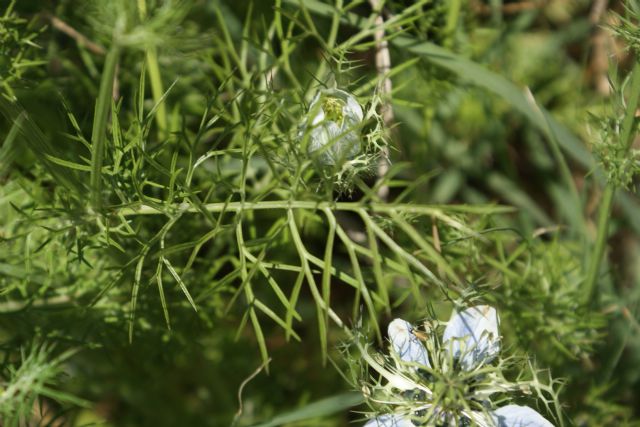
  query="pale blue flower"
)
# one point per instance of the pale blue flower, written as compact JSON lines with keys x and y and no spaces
{"x":406,"y":344}
{"x":472,"y":339}
{"x":333,"y":123}
{"x":472,"y":336}
{"x":389,"y":421}
{"x":519,"y":416}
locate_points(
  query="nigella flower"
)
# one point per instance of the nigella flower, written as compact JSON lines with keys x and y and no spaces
{"x":333,"y":125}
{"x":449,"y":382}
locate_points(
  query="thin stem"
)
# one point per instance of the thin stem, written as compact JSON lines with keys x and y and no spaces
{"x":627,"y":133}
{"x":436,"y":210}
{"x":80,"y":38}
{"x":565,"y":171}
{"x":383,"y":66}
{"x":98,"y":136}
{"x":153,"y":67}
{"x":142,"y":8}
{"x":452,"y":21}
{"x":331,"y":41}
{"x":626,"y":138}
{"x":157,"y":90}
{"x":601,"y":240}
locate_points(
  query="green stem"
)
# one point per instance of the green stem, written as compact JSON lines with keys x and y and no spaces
{"x":627,"y":133}
{"x":157,"y":90}
{"x":626,"y":138}
{"x":98,"y":136}
{"x":452,"y":21}
{"x":436,"y":210}
{"x":142,"y":8}
{"x":331,"y":41}
{"x":601,"y":241}
{"x":565,"y":173}
{"x":153,"y":67}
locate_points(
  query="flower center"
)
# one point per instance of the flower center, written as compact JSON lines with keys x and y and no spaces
{"x":332,"y":108}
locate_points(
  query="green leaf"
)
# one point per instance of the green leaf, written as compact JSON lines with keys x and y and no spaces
{"x":317,"y":409}
{"x":68,"y":164}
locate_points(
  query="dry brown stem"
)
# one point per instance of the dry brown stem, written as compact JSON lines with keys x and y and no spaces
{"x":80,"y":38}
{"x":383,"y":65}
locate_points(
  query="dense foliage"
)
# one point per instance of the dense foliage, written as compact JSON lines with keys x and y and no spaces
{"x":210,"y":211}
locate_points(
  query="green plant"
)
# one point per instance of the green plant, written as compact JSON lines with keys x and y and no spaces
{"x":178,"y":225}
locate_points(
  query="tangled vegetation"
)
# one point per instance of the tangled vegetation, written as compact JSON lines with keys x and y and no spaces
{"x":212,"y":211}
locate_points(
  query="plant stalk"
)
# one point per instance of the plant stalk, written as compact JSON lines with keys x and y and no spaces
{"x":157,"y":90}
{"x":601,"y":241}
{"x":99,"y":132}
{"x":435,"y":210}
{"x":626,"y":137}
{"x":155,"y":78}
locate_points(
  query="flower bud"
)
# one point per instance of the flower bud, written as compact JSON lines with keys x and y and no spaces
{"x":333,"y":124}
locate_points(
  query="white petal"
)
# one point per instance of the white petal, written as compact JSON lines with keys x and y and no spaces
{"x":473,"y":336}
{"x":326,"y":133}
{"x":352,"y":110}
{"x":519,"y":416}
{"x":389,"y":421}
{"x":318,"y":118}
{"x":406,"y":344}
{"x":315,"y":100}
{"x":342,"y":144}
{"x":343,"y":137}
{"x":349,"y":143}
